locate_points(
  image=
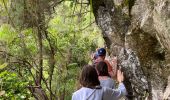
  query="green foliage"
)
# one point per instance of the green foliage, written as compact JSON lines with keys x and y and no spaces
{"x":3,"y":11}
{"x":7,"y":33}
{"x":14,"y":87}
{"x":3,"y":66}
{"x":66,"y":80}
{"x":71,"y":33}
{"x":75,"y":41}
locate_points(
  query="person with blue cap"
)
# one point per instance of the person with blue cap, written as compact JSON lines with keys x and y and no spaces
{"x":100,"y":56}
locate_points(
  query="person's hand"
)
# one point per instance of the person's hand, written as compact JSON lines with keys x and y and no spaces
{"x":113,"y":63}
{"x":120,"y":76}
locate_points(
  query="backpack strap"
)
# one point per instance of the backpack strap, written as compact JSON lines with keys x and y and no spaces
{"x":97,"y":87}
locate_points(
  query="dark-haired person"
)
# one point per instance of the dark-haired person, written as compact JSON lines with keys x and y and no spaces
{"x":103,"y":75}
{"x":100,"y":56}
{"x":91,"y":89}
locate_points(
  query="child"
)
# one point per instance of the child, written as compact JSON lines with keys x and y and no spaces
{"x":103,"y":75}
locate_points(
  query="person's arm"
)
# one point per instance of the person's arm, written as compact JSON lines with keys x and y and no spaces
{"x":121,"y":91}
{"x":111,"y":71}
{"x":109,"y":65}
{"x":116,"y":93}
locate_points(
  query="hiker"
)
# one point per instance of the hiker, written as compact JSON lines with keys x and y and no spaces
{"x":100,"y":56}
{"x":103,"y":75}
{"x":91,"y":89}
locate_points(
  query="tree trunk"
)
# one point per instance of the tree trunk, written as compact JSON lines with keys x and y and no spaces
{"x":137,"y":32}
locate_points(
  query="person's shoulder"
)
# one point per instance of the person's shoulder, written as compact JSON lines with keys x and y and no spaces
{"x":78,"y":91}
{"x":76,"y":94}
{"x":106,"y":61}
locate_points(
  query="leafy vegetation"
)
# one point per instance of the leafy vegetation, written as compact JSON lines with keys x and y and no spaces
{"x":44,"y":59}
{"x":14,"y":88}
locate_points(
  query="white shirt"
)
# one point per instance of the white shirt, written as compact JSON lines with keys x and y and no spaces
{"x":99,"y":94}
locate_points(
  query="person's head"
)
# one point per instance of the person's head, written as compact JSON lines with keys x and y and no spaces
{"x":102,"y":69}
{"x":101,"y":52}
{"x":89,"y":77}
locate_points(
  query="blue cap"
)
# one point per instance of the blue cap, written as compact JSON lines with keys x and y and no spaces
{"x":101,"y":52}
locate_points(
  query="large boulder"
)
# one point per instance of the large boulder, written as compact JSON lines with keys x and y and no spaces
{"x":138,"y":33}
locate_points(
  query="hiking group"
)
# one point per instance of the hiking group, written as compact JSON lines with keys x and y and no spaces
{"x":98,"y":80}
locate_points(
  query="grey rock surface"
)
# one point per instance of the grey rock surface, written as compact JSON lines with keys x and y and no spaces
{"x":138,"y":33}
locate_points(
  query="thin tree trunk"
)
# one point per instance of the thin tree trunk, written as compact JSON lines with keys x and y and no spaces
{"x":51,"y":64}
{"x":37,"y":90}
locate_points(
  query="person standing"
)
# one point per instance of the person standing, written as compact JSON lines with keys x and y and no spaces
{"x":91,"y":89}
{"x":103,"y":75}
{"x":100,"y":56}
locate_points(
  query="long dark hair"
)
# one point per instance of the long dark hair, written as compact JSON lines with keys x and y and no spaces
{"x":89,"y":77}
{"x":102,"y":69}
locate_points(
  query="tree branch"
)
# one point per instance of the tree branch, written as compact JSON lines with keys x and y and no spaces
{"x":8,"y":14}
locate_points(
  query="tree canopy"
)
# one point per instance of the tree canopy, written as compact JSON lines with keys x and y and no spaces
{"x":43,"y":45}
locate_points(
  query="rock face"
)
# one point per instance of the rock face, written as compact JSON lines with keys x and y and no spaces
{"x":138,"y":33}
